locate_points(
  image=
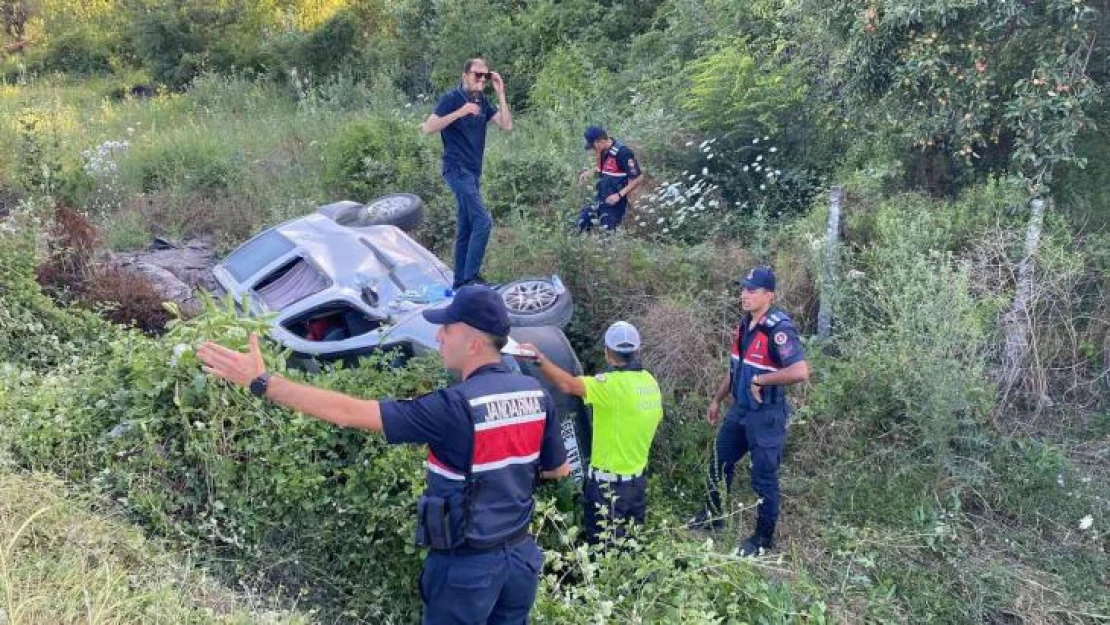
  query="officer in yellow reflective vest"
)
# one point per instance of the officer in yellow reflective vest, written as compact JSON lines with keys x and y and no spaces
{"x":627,"y":408}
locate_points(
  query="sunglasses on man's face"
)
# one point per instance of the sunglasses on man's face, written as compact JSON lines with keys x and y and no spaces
{"x":483,"y":75}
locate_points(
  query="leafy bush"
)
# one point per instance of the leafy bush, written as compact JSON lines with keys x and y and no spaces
{"x":179,"y":41}
{"x":83,"y":51}
{"x":384,"y":154}
{"x":912,"y":341}
{"x":326,"y":49}
{"x":208,"y":466}
{"x":529,"y":175}
{"x":663,"y":576}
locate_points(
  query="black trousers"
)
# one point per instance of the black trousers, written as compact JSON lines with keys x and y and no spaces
{"x":612,"y":508}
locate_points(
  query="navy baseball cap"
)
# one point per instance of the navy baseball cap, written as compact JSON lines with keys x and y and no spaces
{"x":593,"y":133}
{"x":758,"y":278}
{"x":479,"y":307}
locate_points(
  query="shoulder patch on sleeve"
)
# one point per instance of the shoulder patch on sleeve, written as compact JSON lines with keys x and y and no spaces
{"x":781,"y":338}
{"x":600,"y":377}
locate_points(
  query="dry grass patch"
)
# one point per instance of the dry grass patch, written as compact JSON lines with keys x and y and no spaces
{"x":63,"y":559}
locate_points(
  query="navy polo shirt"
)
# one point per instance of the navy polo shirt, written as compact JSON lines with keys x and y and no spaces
{"x":439,"y":419}
{"x":464,"y":140}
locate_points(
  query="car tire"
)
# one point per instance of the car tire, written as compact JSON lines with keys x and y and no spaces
{"x":404,"y":210}
{"x":576,"y":428}
{"x":537,"y":302}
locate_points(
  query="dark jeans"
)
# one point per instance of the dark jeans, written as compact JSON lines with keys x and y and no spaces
{"x":474,"y":225}
{"x":613,"y":507}
{"x":604,"y":215}
{"x":498,"y":586}
{"x":762,"y":433}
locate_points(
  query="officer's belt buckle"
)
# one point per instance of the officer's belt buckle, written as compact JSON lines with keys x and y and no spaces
{"x":605,"y":476}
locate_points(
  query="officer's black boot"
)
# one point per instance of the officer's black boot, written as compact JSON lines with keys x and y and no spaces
{"x":755,"y":545}
{"x":759,"y":543}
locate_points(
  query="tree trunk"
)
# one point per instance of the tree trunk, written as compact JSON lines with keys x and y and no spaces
{"x":1015,"y":322}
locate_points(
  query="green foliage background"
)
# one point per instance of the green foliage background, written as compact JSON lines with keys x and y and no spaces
{"x":916,"y":489}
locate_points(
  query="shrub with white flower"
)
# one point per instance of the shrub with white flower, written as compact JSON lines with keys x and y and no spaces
{"x":692,"y":206}
{"x":102,"y":161}
{"x":102,"y":164}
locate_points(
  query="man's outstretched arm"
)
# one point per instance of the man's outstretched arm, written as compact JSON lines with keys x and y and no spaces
{"x":241,"y":368}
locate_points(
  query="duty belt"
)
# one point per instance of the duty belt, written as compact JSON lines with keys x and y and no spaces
{"x":605,"y":476}
{"x":470,"y":550}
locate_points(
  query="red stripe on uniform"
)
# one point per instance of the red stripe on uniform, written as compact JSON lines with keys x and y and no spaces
{"x":439,"y":463}
{"x":520,"y":439}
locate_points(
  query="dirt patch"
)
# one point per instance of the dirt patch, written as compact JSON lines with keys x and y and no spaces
{"x":130,"y":287}
{"x":189,"y":261}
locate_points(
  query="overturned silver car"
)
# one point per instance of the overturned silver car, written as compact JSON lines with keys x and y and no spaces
{"x":347,"y":281}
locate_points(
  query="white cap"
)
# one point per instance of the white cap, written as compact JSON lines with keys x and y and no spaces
{"x":622,"y":337}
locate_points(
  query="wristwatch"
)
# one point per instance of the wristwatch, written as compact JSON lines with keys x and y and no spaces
{"x":259,"y":384}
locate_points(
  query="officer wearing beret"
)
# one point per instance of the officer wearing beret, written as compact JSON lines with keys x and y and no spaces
{"x":489,"y":438}
{"x":766,"y":357}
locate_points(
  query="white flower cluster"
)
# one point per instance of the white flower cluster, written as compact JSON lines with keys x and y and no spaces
{"x":694,"y":197}
{"x":101,"y":160}
{"x":763,"y":167}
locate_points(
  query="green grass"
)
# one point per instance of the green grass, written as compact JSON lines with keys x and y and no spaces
{"x":65,"y":558}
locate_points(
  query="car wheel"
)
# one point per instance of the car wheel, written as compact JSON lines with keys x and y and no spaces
{"x":536,"y":302}
{"x":404,"y":210}
{"x":575,"y":422}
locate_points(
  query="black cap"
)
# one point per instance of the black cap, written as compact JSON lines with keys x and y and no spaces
{"x":593,"y":133}
{"x":758,"y":278}
{"x":479,"y":307}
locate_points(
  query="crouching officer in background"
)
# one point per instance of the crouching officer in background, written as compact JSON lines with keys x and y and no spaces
{"x":766,"y":357}
{"x":627,"y":408}
{"x":617,"y":175}
{"x":489,"y":438}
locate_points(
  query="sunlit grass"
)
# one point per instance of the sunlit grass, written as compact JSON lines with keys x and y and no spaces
{"x":63,"y":562}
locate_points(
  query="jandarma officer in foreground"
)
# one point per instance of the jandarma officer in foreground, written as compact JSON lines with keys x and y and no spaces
{"x":489,"y":437}
{"x":766,"y":357}
{"x":627,"y":408}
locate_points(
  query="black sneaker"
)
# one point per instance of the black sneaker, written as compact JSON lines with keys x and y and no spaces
{"x":754,"y":545}
{"x":705,"y":521}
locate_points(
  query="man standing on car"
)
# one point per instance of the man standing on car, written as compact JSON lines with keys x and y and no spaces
{"x":489,"y":438}
{"x":617,"y":175}
{"x":627,"y":408}
{"x":766,"y":357}
{"x":460,"y":118}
